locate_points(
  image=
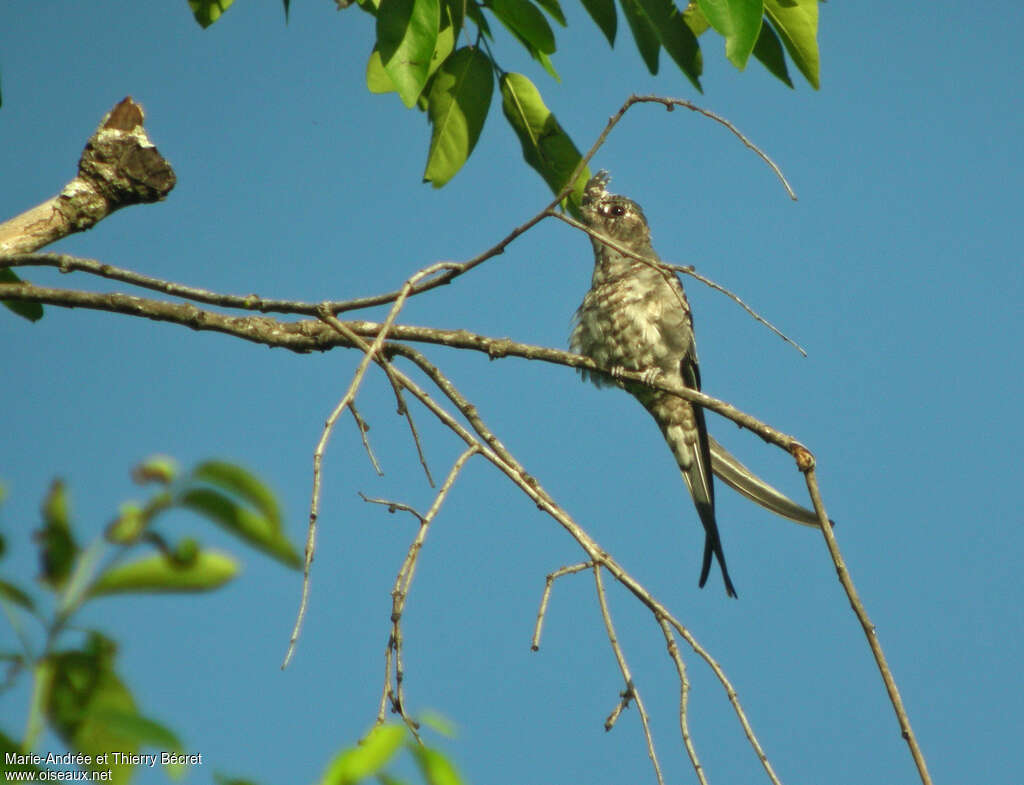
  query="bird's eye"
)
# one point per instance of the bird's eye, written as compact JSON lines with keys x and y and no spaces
{"x":617,"y":210}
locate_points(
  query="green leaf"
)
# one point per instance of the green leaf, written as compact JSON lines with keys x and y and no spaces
{"x":377,"y":79}
{"x":406,"y":36}
{"x":244,"y":484}
{"x":439,"y":723}
{"x":365,"y":760}
{"x":453,"y":12}
{"x":769,"y":51}
{"x":695,"y":19}
{"x":476,"y":15}
{"x":553,"y":9}
{"x":436,"y":768}
{"x":83,"y":694}
{"x":142,"y":732}
{"x":445,"y":39}
{"x":545,"y":61}
{"x":546,"y":146}
{"x":156,"y":468}
{"x":14,"y":594}
{"x":525,"y":22}
{"x":739,"y":22}
{"x":156,"y":574}
{"x":647,"y":42}
{"x":287,"y":3}
{"x":258,"y":530}
{"x":796,"y":22}
{"x":604,"y":16}
{"x":57,"y":545}
{"x":676,"y":36}
{"x":459,"y":99}
{"x":128,"y":526}
{"x":207,"y":12}
{"x":31,"y":311}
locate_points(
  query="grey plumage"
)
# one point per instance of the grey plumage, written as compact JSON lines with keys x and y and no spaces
{"x":636,"y":317}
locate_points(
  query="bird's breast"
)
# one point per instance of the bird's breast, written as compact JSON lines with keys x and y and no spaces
{"x":633,"y":324}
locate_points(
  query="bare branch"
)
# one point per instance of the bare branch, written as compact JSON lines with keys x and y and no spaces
{"x":671,"y":103}
{"x":357,"y":379}
{"x":869,"y":628}
{"x":119,"y":167}
{"x":363,"y":428}
{"x":546,"y":595}
{"x":631,"y":690}
{"x":404,"y":411}
{"x":393,"y":691}
{"x":684,"y":696}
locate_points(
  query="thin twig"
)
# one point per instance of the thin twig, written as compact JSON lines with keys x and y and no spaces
{"x":348,"y":397}
{"x":546,"y":595}
{"x":392,"y":506}
{"x":689,"y":270}
{"x":665,"y":267}
{"x":404,"y":411}
{"x":730,"y":692}
{"x":671,"y":103}
{"x":363,"y":428}
{"x":684,"y":696}
{"x":631,"y":690}
{"x":869,"y":628}
{"x":507,"y":463}
{"x":494,"y":451}
{"x":394,"y":691}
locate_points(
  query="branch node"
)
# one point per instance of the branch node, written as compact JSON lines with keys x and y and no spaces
{"x":803,"y":456}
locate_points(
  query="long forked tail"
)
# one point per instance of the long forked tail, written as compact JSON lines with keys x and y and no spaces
{"x":695,"y":463}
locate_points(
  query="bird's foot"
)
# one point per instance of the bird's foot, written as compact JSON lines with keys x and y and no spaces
{"x":650,"y":376}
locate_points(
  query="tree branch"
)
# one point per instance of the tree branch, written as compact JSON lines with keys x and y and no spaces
{"x":119,"y":167}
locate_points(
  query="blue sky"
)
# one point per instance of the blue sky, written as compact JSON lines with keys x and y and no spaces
{"x":897,"y":269}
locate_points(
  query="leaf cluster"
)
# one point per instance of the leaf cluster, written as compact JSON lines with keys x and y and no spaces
{"x":416,"y":56}
{"x":76,"y":689}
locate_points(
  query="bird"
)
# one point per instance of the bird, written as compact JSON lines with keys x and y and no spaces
{"x":636,"y":317}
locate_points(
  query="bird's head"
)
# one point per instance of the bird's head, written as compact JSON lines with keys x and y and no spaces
{"x":615,"y":216}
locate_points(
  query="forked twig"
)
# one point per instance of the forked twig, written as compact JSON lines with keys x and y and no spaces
{"x":393,"y":691}
{"x":373,"y":341}
{"x":546,"y":595}
{"x":507,"y":463}
{"x":348,"y":397}
{"x":631,"y":690}
{"x":684,"y":696}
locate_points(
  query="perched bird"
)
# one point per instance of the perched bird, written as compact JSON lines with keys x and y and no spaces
{"x":636,"y":317}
